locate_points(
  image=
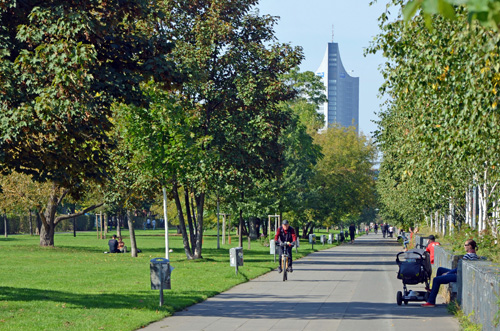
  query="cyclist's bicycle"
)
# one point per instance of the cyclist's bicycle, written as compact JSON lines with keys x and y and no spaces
{"x":285,"y":259}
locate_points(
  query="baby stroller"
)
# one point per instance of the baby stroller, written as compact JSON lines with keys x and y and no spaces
{"x":414,"y":268}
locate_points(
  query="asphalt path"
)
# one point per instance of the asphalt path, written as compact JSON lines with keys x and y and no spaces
{"x":349,"y":287}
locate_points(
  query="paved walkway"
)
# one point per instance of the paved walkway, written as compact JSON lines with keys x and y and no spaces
{"x":350,"y":287}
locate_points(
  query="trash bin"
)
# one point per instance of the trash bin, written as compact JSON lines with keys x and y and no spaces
{"x":312,"y":238}
{"x":330,"y":238}
{"x":160,"y":273}
{"x":236,"y":257}
{"x":272,"y":247}
{"x":323,"y":239}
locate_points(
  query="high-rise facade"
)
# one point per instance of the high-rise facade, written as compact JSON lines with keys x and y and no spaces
{"x":341,"y":89}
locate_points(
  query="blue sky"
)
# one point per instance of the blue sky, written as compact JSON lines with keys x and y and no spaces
{"x":308,"y":23}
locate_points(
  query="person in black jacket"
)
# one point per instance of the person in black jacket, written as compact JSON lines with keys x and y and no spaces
{"x":352,"y":232}
{"x":113,"y":245}
{"x":285,"y":234}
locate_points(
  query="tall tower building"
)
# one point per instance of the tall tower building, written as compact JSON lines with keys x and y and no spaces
{"x":341,"y":89}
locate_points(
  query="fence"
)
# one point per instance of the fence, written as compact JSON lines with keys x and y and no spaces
{"x":21,"y":224}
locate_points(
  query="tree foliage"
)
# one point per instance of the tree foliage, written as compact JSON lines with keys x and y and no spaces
{"x":439,"y":130}
{"x":62,"y":65}
{"x":344,"y":175}
{"x":486,"y":12}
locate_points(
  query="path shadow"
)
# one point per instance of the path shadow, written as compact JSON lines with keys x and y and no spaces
{"x":274,"y":307}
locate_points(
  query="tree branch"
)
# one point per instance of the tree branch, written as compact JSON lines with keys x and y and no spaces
{"x":59,"y":201}
{"x":65,"y":217}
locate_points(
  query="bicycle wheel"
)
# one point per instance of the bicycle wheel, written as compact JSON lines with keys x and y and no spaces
{"x":284,"y":264}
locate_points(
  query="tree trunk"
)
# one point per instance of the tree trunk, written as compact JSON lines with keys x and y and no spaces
{"x":106,"y":221}
{"x":38,"y":223}
{"x":189,"y":219}
{"x":194,"y":217}
{"x":31,"y":222}
{"x":305,"y":230}
{"x":200,"y":204}
{"x":311,"y":230}
{"x":253,"y":227}
{"x":47,"y":234}
{"x":240,"y":229}
{"x":133,"y":243}
{"x":468,"y":207}
{"x":182,"y":225}
{"x":118,"y":228}
{"x":48,"y":218}
{"x":74,"y":220}
{"x":5,"y":225}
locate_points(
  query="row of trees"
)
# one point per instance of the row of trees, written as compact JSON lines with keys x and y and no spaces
{"x":114,"y":102}
{"x":439,"y":129}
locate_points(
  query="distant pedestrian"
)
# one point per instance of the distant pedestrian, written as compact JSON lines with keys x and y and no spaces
{"x":352,"y":232}
{"x":154,"y":224}
{"x":148,"y":224}
{"x":391,"y":231}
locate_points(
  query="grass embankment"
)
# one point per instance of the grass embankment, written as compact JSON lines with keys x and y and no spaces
{"x":74,"y":286}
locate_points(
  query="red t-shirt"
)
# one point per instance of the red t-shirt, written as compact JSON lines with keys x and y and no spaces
{"x":283,"y":235}
{"x":430,"y":249}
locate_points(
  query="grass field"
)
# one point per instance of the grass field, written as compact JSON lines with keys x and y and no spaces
{"x":74,"y":286}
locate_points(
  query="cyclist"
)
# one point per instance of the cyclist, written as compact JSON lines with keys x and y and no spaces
{"x":285,"y":234}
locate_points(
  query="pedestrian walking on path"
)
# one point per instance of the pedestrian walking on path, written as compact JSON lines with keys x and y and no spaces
{"x":352,"y":231}
{"x":349,"y":287}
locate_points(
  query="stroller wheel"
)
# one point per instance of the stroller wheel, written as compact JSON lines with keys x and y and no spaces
{"x":399,"y":298}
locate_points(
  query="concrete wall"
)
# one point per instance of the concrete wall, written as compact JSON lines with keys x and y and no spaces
{"x":421,"y":240}
{"x":480,"y":292}
{"x":477,"y":289}
{"x":444,"y":258}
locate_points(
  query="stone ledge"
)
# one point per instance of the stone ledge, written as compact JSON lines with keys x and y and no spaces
{"x":480,"y":292}
{"x":477,"y":289}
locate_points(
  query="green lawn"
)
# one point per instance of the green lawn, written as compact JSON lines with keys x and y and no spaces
{"x":74,"y":286}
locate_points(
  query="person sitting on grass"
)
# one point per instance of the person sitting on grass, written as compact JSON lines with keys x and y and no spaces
{"x":121,"y":246}
{"x":113,"y":245}
{"x":446,"y":276}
